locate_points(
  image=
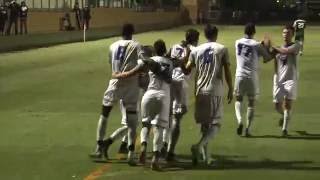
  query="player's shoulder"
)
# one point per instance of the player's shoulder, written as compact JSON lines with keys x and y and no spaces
{"x":176,"y":46}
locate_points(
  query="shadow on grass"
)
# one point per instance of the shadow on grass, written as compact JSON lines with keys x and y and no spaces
{"x":302,"y":135}
{"x":222,"y":162}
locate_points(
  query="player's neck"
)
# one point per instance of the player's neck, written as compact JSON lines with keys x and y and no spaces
{"x":248,"y":37}
{"x":127,"y":38}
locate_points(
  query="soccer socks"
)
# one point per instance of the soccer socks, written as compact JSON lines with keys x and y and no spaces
{"x":286,"y":119}
{"x":175,"y":133}
{"x":144,"y":134}
{"x":166,"y":135}
{"x":157,"y":138}
{"x":120,"y":132}
{"x":250,"y":115}
{"x":208,"y":134}
{"x":238,"y":107}
{"x":102,"y":127}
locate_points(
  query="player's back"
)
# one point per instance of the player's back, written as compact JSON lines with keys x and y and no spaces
{"x":178,"y":51}
{"x":208,"y":59}
{"x":156,"y":82}
{"x":124,"y":55}
{"x":247,"y":55}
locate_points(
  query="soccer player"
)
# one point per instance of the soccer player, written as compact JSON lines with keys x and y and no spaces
{"x":286,"y":76}
{"x":155,"y":104}
{"x":248,"y":51}
{"x":124,"y":55}
{"x":299,"y":26}
{"x":210,"y":60}
{"x":179,"y":88}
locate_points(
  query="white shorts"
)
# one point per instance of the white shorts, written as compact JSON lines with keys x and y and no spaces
{"x":179,"y":95}
{"x":209,"y":109}
{"x":127,"y":92}
{"x":246,"y":87}
{"x":284,"y":90}
{"x":155,"y":108}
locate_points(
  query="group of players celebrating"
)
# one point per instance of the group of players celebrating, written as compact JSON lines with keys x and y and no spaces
{"x":161,"y":78}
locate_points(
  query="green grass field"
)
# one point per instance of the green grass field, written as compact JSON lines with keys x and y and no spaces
{"x":50,"y":100}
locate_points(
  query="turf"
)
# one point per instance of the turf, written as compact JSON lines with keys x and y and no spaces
{"x":50,"y":101}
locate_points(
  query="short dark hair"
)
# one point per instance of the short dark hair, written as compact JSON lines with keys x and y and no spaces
{"x":289,"y":27}
{"x":160,"y":47}
{"x":250,"y":29}
{"x":192,"y":35}
{"x":210,"y":31}
{"x":127,"y":30}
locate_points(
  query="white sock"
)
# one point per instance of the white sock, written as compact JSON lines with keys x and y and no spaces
{"x":120,"y":132}
{"x":131,"y":135}
{"x":102,"y":127}
{"x":144,"y":134}
{"x":157,"y":138}
{"x":286,"y":119}
{"x":204,"y":152}
{"x":125,"y":139}
{"x":238,"y":108}
{"x":166,"y":135}
{"x":250,"y":115}
{"x":208,"y":134}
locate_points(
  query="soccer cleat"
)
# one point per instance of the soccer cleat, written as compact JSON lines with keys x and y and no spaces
{"x":284,"y":133}
{"x":195,"y":154}
{"x":97,"y":154}
{"x":131,"y":160}
{"x":239,"y":129}
{"x":155,"y":163}
{"x":280,"y":123}
{"x":107,"y":144}
{"x":142,"y":157}
{"x":247,"y":133}
{"x":123,"y":148}
{"x":164,"y":150}
{"x":171,"y":157}
{"x":209,"y":162}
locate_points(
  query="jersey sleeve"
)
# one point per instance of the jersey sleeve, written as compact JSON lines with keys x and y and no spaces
{"x":225,"y":56}
{"x":192,"y":58}
{"x":262,"y":51}
{"x":295,"y":47}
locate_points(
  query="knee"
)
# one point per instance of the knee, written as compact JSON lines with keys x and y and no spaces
{"x":287,"y":105}
{"x":239,"y":98}
{"x":106,"y":110}
{"x":251,"y":102}
{"x":146,"y":125}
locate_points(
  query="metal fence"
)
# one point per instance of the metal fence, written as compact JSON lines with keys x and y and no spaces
{"x":65,"y":4}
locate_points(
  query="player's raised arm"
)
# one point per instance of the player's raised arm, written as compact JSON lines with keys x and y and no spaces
{"x":188,"y":62}
{"x":228,"y":76}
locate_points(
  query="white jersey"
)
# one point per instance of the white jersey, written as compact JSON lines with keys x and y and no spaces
{"x":247,"y":54}
{"x":208,"y":60}
{"x":178,"y":51}
{"x":287,"y":64}
{"x":155,"y":82}
{"x":124,"y":55}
